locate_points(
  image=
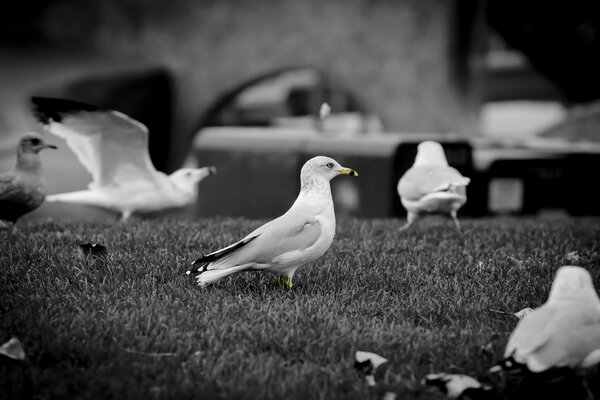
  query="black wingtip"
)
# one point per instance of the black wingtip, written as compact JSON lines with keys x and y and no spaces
{"x":47,"y":109}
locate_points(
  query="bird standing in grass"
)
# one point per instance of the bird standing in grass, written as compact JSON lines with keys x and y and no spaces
{"x":562,"y":333}
{"x":301,"y":235}
{"x":23,"y":188}
{"x":114,"y":150}
{"x":431,"y":186}
{"x":458,"y":386}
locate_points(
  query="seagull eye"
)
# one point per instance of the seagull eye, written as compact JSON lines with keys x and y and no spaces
{"x":329,"y":165}
{"x":35,"y":142}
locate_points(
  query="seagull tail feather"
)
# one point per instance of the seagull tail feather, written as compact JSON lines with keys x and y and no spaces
{"x":214,"y":275}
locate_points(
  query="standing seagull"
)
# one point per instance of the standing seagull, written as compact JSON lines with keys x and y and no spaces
{"x":431,"y":186}
{"x":114,"y":149}
{"x":564,"y":332}
{"x":301,"y":235}
{"x":23,"y":189}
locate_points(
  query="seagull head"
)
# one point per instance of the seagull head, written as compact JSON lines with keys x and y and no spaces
{"x":33,"y":143}
{"x":325,"y":167}
{"x":187,"y":178}
{"x":430,"y":153}
{"x":573,"y":283}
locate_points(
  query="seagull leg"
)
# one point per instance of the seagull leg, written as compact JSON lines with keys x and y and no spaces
{"x":280,"y":282}
{"x":289,"y":282}
{"x":125,"y":216}
{"x":411,"y":217}
{"x":455,"y":219}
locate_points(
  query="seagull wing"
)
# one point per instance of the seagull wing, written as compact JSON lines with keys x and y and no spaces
{"x":109,"y":144}
{"x":7,"y":185}
{"x":426,"y":179}
{"x":282,"y":240}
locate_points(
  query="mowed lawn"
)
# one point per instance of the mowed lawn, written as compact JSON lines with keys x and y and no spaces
{"x":137,"y":326}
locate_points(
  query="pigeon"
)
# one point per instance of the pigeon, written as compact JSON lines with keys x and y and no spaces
{"x":113,"y":148}
{"x":431,"y":186}
{"x":457,"y":386}
{"x":23,"y":189}
{"x":301,"y":235}
{"x":562,"y":333}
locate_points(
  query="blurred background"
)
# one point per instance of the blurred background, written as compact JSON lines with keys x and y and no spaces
{"x":510,"y":88}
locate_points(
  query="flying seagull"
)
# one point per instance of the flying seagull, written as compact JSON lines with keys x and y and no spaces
{"x":431,"y":186}
{"x":562,"y":333}
{"x":23,"y":188}
{"x":301,"y":235}
{"x":113,"y":148}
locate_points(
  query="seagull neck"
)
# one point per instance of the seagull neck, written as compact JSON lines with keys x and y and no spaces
{"x":28,"y":162}
{"x":314,"y":185}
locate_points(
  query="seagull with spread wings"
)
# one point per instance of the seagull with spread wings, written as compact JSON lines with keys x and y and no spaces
{"x":301,"y":235}
{"x":431,"y":186}
{"x":23,"y":188}
{"x":113,"y":148}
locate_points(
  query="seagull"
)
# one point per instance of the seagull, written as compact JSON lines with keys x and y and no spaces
{"x":13,"y":349}
{"x":301,"y":235}
{"x":458,"y":386}
{"x":23,"y":189}
{"x":431,"y":186}
{"x":113,"y":148}
{"x":369,"y":364}
{"x":562,"y":333}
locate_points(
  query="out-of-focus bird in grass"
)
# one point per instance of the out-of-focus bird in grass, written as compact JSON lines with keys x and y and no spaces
{"x":463,"y":387}
{"x":519,"y":314}
{"x":13,"y":349}
{"x":301,"y":235}
{"x":94,"y":250}
{"x":23,"y":189}
{"x":369,"y":364}
{"x":113,"y":148}
{"x":562,"y":333}
{"x":431,"y":186}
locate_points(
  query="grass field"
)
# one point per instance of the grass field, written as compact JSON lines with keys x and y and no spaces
{"x":137,"y":327}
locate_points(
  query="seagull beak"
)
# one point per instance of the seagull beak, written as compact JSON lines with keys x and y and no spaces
{"x":49,"y":146}
{"x":348,"y":171}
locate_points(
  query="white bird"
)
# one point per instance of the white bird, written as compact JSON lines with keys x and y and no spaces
{"x":564,"y":332}
{"x":23,"y":189}
{"x":457,"y":386}
{"x":301,"y":235}
{"x":113,"y":148}
{"x":369,"y":363}
{"x":13,"y":349}
{"x":431,"y":186}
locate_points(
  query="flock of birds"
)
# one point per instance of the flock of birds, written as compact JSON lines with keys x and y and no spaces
{"x":562,"y":334}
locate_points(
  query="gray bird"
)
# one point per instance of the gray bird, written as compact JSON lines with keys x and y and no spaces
{"x":23,"y":188}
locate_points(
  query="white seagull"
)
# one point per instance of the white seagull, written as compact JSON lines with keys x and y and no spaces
{"x":301,"y":235}
{"x":23,"y":189}
{"x":431,"y":186}
{"x":368,"y":363}
{"x":564,"y":332}
{"x":113,"y":148}
{"x":458,"y":386}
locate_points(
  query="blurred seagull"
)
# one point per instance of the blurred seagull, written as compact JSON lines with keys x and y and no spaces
{"x":456,"y":386}
{"x":114,"y":149}
{"x":562,"y":333}
{"x":23,"y":189}
{"x":431,"y":186}
{"x":368,"y":363}
{"x":13,"y":349}
{"x":301,"y":235}
{"x":93,"y":250}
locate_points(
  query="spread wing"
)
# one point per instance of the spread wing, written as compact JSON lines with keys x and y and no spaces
{"x":109,"y":144}
{"x":282,"y":239}
{"x":423,"y":180}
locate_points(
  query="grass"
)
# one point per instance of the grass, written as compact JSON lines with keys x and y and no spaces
{"x":136,"y":326}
